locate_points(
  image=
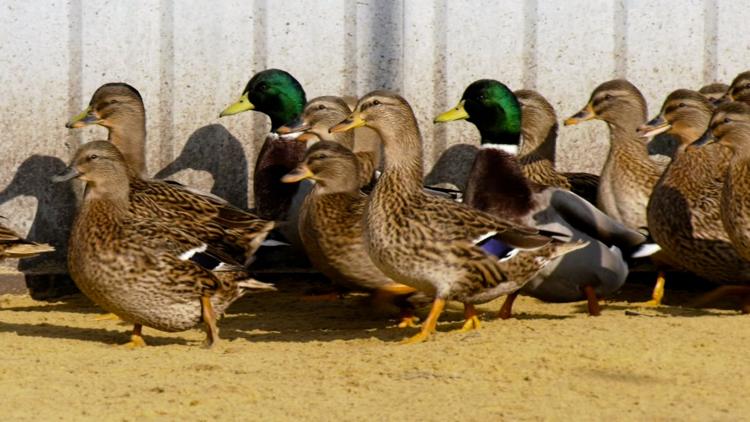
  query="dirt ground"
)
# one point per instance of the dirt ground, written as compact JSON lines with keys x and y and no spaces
{"x":285,"y":358}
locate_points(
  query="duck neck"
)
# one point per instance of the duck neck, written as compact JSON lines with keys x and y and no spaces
{"x":539,"y":146}
{"x":402,"y":146}
{"x":111,"y":198}
{"x":289,"y":108}
{"x":130,"y":139}
{"x":499,"y":135}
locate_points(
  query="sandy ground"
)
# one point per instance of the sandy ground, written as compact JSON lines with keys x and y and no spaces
{"x":283,"y":358}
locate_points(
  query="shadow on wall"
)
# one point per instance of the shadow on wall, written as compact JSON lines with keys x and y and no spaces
{"x":452,"y":167}
{"x":215,"y":150}
{"x":54,"y":216}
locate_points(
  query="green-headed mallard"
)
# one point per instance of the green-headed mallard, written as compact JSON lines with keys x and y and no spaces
{"x":118,"y":107}
{"x":431,"y":243}
{"x":318,"y":116}
{"x":684,"y":216}
{"x":280,"y":96}
{"x":497,"y":113}
{"x":714,"y":92}
{"x":13,"y":245}
{"x":139,"y":268}
{"x":629,"y":175}
{"x":331,"y":226}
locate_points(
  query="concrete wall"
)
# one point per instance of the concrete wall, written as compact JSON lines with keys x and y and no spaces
{"x":190,"y":58}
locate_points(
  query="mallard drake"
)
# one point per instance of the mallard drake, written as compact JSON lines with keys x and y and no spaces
{"x":431,"y":243}
{"x":280,"y":96}
{"x":497,"y":113}
{"x":714,"y":92}
{"x":331,"y":226}
{"x":684,"y":217}
{"x":138,"y":268}
{"x":320,"y":114}
{"x":118,"y":107}
{"x":13,"y":245}
{"x":629,"y":175}
{"x":739,"y":90}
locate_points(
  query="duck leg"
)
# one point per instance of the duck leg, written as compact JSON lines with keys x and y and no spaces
{"x":136,"y":338}
{"x":657,"y":294}
{"x":592,"y":300}
{"x":506,"y":311}
{"x":430,"y":323}
{"x":407,"y":318}
{"x":209,"y":319}
{"x":471,"y":318}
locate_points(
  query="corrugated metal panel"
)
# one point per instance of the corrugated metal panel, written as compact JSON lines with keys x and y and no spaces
{"x":191,"y":58}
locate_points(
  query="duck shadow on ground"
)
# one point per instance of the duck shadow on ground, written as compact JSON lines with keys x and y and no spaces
{"x":215,"y":150}
{"x":97,"y":335}
{"x":52,"y":222}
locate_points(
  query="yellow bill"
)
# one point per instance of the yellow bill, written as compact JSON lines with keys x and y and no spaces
{"x":586,"y":114}
{"x":84,"y":118}
{"x":302,"y":172}
{"x":354,"y":121}
{"x":456,"y":113}
{"x":243,"y":104}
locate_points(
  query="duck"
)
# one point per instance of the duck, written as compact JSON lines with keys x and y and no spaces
{"x":434,"y":244}
{"x":684,"y":216}
{"x":714,"y":92}
{"x":118,"y":107}
{"x":277,"y":94}
{"x":629,"y":174}
{"x":730,"y":129}
{"x":739,"y":90}
{"x":320,"y":114}
{"x":497,"y":113}
{"x":140,"y":269}
{"x":331,"y":226}
{"x":13,"y":245}
{"x":497,"y":185}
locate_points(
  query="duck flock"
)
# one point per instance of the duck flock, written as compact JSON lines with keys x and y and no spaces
{"x":160,"y":254}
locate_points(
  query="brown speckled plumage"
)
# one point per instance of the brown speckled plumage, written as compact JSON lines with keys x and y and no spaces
{"x":425,"y":241}
{"x":714,"y":92}
{"x":537,"y":151}
{"x":133,"y":266}
{"x":12,"y":245}
{"x":739,"y":90}
{"x":629,"y":175}
{"x":730,"y":126}
{"x":684,"y":215}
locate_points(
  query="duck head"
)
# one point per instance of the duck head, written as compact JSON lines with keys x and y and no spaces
{"x":685,"y":114}
{"x":730,"y":127}
{"x":101,"y":165}
{"x":383,"y":111}
{"x":739,"y":90}
{"x":113,"y":105}
{"x":319,"y":115}
{"x":715,"y":92}
{"x":332,"y":166}
{"x":617,"y":102}
{"x":492,"y":108}
{"x":273,"y":92}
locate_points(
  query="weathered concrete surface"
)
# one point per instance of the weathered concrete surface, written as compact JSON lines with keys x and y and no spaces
{"x":191,"y":58}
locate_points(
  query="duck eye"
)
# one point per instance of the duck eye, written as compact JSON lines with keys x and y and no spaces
{"x":376,"y":102}
{"x":727,"y":120}
{"x":262,"y":86}
{"x":681,"y":105}
{"x":608,"y":97}
{"x":747,"y":85}
{"x":113,"y":101}
{"x":321,"y":107}
{"x":93,"y":157}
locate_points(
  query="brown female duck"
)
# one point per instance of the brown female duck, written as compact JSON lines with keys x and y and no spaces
{"x":629,"y":175}
{"x":714,"y":92}
{"x":331,"y":225}
{"x":138,"y":268}
{"x":13,"y":245}
{"x":118,"y":107}
{"x":684,"y":216}
{"x":431,"y":243}
{"x":739,"y":90}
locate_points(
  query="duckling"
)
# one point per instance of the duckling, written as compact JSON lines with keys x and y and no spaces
{"x":320,"y":114}
{"x":496,"y":112}
{"x":714,"y":92}
{"x":629,"y":175}
{"x":118,"y":107}
{"x":280,"y":96}
{"x":13,"y":245}
{"x":331,"y":226}
{"x":138,"y":268}
{"x":739,"y":90}
{"x":684,"y":216}
{"x":431,"y":243}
